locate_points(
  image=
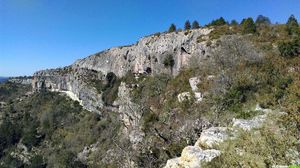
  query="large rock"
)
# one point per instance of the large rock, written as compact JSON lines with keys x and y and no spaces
{"x":173,"y":163}
{"x":193,"y":156}
{"x":213,"y":136}
{"x":244,"y":124}
{"x":194,"y":82}
{"x":198,"y":96}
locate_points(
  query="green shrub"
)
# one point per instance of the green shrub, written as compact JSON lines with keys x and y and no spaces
{"x":220,"y":31}
{"x":260,"y":148}
{"x":169,"y":61}
{"x":108,"y":88}
{"x":289,"y":49}
{"x":149,"y":118}
{"x":10,"y":134}
{"x":37,"y":161}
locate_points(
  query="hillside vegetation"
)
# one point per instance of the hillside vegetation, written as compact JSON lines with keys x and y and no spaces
{"x":254,"y":63}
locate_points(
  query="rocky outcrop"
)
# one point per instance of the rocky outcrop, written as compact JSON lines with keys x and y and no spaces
{"x":146,"y":56}
{"x":184,"y":96}
{"x":130,"y":114}
{"x":193,"y":83}
{"x":195,"y":90}
{"x":21,"y":80}
{"x":213,"y":136}
{"x":74,"y":82}
{"x":193,"y":156}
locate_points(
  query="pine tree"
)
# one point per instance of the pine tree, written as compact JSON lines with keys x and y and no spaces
{"x":172,"y":28}
{"x":262,"y":20}
{"x":195,"y":25}
{"x":218,"y":22}
{"x":234,"y":23}
{"x":292,"y":25}
{"x":292,"y":21}
{"x":187,"y":25}
{"x":248,"y":26}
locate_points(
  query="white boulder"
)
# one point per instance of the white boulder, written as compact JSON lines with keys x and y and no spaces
{"x":184,"y":96}
{"x":173,"y":163}
{"x":193,"y":156}
{"x":247,"y":125}
{"x":213,"y":136}
{"x":194,"y":82}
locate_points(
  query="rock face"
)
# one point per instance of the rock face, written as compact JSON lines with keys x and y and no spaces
{"x":130,"y":114}
{"x":73,"y":82}
{"x":21,"y":80}
{"x":146,"y":56}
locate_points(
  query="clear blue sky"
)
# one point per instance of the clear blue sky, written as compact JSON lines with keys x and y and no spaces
{"x":39,"y":34}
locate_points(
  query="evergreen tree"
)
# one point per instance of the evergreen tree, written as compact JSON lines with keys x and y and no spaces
{"x":172,"y":28}
{"x":262,"y":20}
{"x":234,"y":23}
{"x":195,"y":25}
{"x":218,"y":22}
{"x":248,"y":26}
{"x":169,"y":62}
{"x":292,"y":25}
{"x":187,"y":25}
{"x":292,"y":21}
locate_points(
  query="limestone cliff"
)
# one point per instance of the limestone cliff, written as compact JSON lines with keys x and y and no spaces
{"x":27,"y":80}
{"x":146,"y":56}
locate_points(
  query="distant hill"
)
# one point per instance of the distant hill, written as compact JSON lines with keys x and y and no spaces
{"x":3,"y":79}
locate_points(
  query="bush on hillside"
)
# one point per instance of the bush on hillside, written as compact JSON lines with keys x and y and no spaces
{"x":289,"y":49}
